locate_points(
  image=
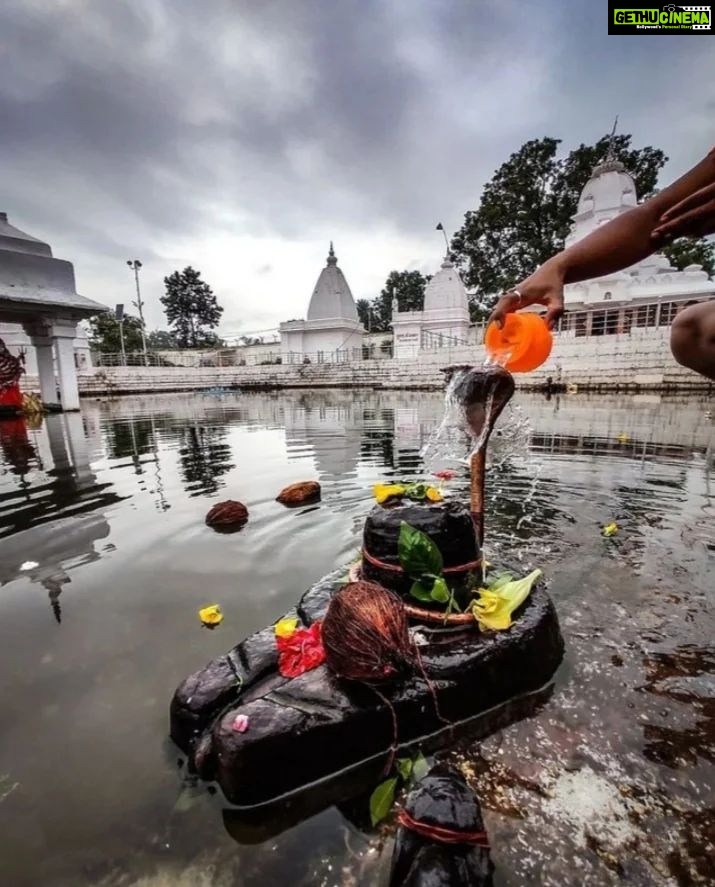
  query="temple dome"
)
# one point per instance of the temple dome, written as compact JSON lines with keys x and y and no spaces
{"x":445,"y":291}
{"x":16,"y":241}
{"x":609,"y":193}
{"x":331,"y":296}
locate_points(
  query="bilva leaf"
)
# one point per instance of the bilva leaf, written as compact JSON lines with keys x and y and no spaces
{"x":420,"y":767}
{"x":382,"y":799}
{"x":421,"y":591}
{"x":418,"y":553}
{"x":404,"y":768}
{"x":440,"y":591}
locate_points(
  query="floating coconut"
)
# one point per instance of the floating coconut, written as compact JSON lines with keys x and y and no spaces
{"x":302,"y":493}
{"x":227,"y":516}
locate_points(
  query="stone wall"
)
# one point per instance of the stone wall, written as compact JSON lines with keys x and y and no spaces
{"x":639,"y":361}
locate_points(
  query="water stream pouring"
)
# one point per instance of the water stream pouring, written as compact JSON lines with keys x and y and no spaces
{"x":483,"y":392}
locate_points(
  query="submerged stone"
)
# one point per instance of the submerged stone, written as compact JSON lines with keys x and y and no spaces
{"x":441,"y":842}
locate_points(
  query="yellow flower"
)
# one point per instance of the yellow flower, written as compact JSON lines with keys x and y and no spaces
{"x":610,"y":529}
{"x":623,"y":437}
{"x":493,"y":609}
{"x":286,"y":627}
{"x":434,"y":495}
{"x":211,"y":615}
{"x":383,"y":492}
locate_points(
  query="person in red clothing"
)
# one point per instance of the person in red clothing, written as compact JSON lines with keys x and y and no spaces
{"x":684,"y":209}
{"x":11,"y":368}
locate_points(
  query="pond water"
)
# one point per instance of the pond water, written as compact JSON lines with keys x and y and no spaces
{"x":105,"y":560}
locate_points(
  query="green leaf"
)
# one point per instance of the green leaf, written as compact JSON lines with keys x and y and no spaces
{"x":420,"y":591}
{"x":382,"y":799}
{"x":420,"y":767}
{"x":418,"y":553}
{"x":440,"y":591}
{"x":417,"y":491}
{"x":404,"y":768}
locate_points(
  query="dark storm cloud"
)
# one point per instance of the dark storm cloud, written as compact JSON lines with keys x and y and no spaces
{"x":128,"y":126}
{"x":109,"y":91}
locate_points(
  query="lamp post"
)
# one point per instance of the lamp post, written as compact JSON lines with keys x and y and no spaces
{"x":135,"y":265}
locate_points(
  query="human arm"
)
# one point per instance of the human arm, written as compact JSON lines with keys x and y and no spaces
{"x":618,"y":244}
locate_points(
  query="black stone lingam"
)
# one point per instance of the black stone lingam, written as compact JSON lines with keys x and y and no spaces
{"x":328,"y":732}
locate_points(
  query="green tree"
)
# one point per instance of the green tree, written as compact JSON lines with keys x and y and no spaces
{"x":525,"y":210}
{"x":363,"y":311}
{"x":408,"y":287}
{"x":692,"y":251}
{"x":191,"y":309}
{"x":105,"y":337}
{"x":161,"y":340}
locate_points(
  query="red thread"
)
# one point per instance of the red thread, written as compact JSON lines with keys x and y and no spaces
{"x":395,"y":568}
{"x":440,"y":834}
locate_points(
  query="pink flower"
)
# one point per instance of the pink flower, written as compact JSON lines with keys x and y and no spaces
{"x":445,"y":474}
{"x":240,"y":725}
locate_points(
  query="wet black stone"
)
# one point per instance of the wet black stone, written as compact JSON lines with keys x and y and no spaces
{"x":317,"y":725}
{"x":444,"y":799}
{"x":448,"y":524}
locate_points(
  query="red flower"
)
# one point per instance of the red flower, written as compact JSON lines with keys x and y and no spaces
{"x":301,"y":651}
{"x":445,"y":474}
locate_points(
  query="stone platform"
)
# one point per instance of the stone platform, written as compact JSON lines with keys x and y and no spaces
{"x":316,"y":728}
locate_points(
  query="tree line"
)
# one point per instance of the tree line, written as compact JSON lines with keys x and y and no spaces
{"x":523,"y":217}
{"x":192,"y":314}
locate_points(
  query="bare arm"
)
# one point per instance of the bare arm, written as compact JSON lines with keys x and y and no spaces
{"x":612,"y":247}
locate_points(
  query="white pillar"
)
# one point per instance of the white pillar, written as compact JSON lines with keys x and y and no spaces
{"x":40,"y":333}
{"x":64,"y":350}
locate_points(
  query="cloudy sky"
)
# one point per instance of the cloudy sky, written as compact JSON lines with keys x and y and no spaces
{"x":240,"y":136}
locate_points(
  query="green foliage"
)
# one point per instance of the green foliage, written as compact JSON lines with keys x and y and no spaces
{"x":191,"y":309}
{"x":692,"y":251}
{"x":408,"y":287}
{"x":422,"y":561}
{"x":161,"y":340}
{"x":409,"y":771}
{"x":525,"y":210}
{"x":418,"y":554}
{"x":105,"y":337}
{"x":382,"y":799}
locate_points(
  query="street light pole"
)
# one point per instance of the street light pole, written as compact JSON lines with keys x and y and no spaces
{"x":135,"y":265}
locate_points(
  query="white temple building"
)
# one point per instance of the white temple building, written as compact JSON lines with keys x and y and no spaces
{"x":332,"y":332}
{"x":444,"y":320}
{"x":39,"y":313}
{"x":649,"y":293}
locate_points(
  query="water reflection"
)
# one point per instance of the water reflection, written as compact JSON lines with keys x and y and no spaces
{"x":113,"y":502}
{"x":56,"y":514}
{"x":205,"y":459}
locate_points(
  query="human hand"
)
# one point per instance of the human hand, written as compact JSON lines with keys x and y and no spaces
{"x":692,"y":217}
{"x":544,"y":287}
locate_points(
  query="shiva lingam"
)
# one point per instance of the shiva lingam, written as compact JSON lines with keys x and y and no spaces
{"x":282,"y":731}
{"x":458,"y":534}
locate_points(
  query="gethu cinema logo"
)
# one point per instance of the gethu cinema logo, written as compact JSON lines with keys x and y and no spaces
{"x":670,"y":16}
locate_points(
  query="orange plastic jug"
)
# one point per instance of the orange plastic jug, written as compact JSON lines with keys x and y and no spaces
{"x":523,"y":343}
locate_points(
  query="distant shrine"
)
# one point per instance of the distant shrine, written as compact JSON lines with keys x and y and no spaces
{"x":39,"y":307}
{"x":444,"y":320}
{"x":332,"y":332}
{"x":649,"y":293}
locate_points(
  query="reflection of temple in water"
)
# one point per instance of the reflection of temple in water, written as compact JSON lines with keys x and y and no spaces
{"x":52,"y":517}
